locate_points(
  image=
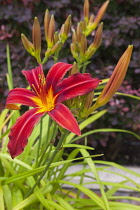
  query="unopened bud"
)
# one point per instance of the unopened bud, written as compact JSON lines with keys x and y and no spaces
{"x":93,"y":24}
{"x":100,"y":14}
{"x":51,"y":30}
{"x":83,"y":45}
{"x":56,"y":47}
{"x":46,"y":23}
{"x":96,"y":43}
{"x":36,"y":35}
{"x":86,"y":10}
{"x":74,"y":36}
{"x":65,"y":29}
{"x":74,"y":50}
{"x":27,"y":44}
{"x":98,"y":36}
{"x":115,"y":80}
{"x":67,"y":25}
{"x":89,"y":100}
{"x":74,"y":69}
{"x":83,"y":25}
{"x":79,"y":32}
{"x":56,"y":37}
{"x":12,"y":107}
{"x":91,"y":19}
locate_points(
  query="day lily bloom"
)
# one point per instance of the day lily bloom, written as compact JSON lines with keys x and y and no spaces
{"x":46,"y":97}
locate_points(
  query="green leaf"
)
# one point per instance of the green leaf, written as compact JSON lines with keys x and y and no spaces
{"x":106,"y":130}
{"x":1,"y":198}
{"x":87,"y":192}
{"x":10,"y":78}
{"x":95,"y":173}
{"x":128,"y":95}
{"x":63,"y":202}
{"x":8,"y":197}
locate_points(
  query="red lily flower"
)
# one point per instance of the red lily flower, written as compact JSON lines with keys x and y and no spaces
{"x":46,"y":97}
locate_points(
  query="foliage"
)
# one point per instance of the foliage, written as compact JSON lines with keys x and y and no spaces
{"x":37,"y":178}
{"x":17,"y":17}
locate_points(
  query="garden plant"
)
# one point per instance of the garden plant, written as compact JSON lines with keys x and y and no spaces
{"x":59,"y":103}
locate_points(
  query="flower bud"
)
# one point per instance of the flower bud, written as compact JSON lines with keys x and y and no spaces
{"x":89,"y":100}
{"x":27,"y":44}
{"x":12,"y":107}
{"x":65,"y":29}
{"x":91,"y":19}
{"x":74,"y":69}
{"x":74,"y":50}
{"x":79,"y":32}
{"x":92,"y":25}
{"x":74,"y":36}
{"x":100,"y":14}
{"x":98,"y":36}
{"x":51,"y":30}
{"x":96,"y":43}
{"x":36,"y":36}
{"x":86,"y":10}
{"x":56,"y":37}
{"x":57,"y":46}
{"x":46,"y":23}
{"x":115,"y":80}
{"x":83,"y":45}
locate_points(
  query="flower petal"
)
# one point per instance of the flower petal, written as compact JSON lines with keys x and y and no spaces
{"x":21,"y":130}
{"x":20,"y":96}
{"x":63,"y":116}
{"x":77,"y":84}
{"x":56,"y":73}
{"x":33,"y":77}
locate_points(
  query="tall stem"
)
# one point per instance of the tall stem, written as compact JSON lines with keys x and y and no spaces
{"x":39,"y":143}
{"x":49,"y":163}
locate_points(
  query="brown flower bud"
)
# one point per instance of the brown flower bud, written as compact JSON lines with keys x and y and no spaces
{"x":27,"y":44}
{"x":36,"y":36}
{"x":46,"y":23}
{"x":115,"y":80}
{"x":86,"y":10}
{"x":100,"y":14}
{"x":51,"y":30}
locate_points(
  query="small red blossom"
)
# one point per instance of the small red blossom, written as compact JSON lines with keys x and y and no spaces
{"x":46,"y":97}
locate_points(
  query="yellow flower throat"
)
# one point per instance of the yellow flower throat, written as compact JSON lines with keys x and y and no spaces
{"x":45,"y":101}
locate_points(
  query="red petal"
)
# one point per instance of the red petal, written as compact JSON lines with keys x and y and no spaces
{"x":32,"y":76}
{"x":63,"y":116}
{"x":20,"y":96}
{"x":21,"y":130}
{"x":56,"y":73}
{"x":77,"y":84}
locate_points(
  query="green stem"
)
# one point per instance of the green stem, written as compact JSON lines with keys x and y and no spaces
{"x":44,"y":60}
{"x":47,"y":141}
{"x":48,"y":165}
{"x":39,"y":143}
{"x":56,"y":57}
{"x":84,"y":67}
{"x":91,"y":109}
{"x":50,"y":148}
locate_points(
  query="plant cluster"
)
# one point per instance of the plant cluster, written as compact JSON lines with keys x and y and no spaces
{"x":62,"y":103}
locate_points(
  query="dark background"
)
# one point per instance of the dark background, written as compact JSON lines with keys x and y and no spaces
{"x":121,"y":28}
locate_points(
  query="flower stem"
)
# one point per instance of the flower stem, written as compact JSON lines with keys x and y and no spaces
{"x":48,"y":165}
{"x":84,"y":67}
{"x":47,"y":142}
{"x":39,"y":143}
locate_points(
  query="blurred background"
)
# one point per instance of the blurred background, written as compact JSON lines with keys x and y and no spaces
{"x":121,"y":28}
